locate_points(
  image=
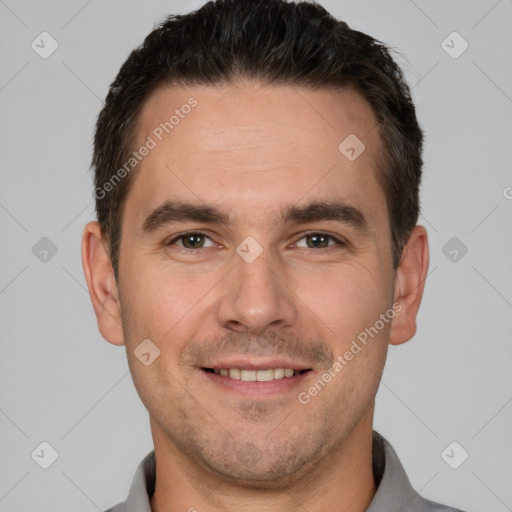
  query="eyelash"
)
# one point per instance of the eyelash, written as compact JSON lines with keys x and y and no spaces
{"x":200,"y":233}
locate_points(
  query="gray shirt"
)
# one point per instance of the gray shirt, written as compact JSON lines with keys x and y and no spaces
{"x":394,"y":491}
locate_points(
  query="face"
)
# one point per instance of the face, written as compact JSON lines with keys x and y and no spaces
{"x":277,"y":258}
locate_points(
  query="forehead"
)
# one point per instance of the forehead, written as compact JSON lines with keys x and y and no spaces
{"x":255,"y":146}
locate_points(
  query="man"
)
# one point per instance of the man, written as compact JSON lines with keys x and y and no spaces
{"x":257,"y":167}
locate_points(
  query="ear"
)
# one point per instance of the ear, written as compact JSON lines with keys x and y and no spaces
{"x":409,"y":284}
{"x":99,"y":275}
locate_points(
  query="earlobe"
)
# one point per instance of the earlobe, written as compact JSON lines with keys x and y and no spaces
{"x":409,"y":285}
{"x":101,"y":283}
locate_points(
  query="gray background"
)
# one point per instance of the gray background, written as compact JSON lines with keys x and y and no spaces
{"x":60,"y":382}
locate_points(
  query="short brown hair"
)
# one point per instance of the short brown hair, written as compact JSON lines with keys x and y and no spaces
{"x":275,"y":42}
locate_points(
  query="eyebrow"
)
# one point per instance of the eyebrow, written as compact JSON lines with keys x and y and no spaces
{"x":178,"y":211}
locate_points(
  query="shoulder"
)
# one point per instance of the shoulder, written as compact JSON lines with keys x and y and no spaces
{"x":395,"y":491}
{"x":432,"y":506}
{"x":120,"y":507}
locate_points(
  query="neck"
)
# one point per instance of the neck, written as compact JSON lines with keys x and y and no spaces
{"x":344,"y":478}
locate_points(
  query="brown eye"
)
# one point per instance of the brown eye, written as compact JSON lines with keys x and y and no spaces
{"x":320,"y":241}
{"x":191,"y":240}
{"x":315,"y":241}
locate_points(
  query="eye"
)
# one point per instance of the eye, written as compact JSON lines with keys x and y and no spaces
{"x":198,"y":240}
{"x":320,"y":240}
{"x":191,"y":240}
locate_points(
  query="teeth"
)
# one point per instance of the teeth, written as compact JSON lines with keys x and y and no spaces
{"x":278,"y":373}
{"x":234,"y":373}
{"x":248,"y":375}
{"x":264,"y":375}
{"x":257,"y":375}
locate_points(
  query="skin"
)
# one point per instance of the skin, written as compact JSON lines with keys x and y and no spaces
{"x":253,"y":149}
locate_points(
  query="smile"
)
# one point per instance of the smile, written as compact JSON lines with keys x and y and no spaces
{"x":263,"y":375}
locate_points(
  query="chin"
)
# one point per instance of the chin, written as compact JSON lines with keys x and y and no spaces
{"x":273,"y":467}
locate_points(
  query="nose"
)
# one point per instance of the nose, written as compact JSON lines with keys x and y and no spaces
{"x":255,"y":297}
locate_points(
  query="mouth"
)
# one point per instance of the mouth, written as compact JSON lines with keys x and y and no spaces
{"x":261,"y":375}
{"x":256,"y":381}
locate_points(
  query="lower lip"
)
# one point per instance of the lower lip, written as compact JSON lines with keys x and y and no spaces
{"x":256,"y":388}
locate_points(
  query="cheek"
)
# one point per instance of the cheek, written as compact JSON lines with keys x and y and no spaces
{"x":162,"y":304}
{"x":347,"y":301}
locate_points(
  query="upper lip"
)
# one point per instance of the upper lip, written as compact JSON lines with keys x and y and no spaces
{"x":254,"y":363}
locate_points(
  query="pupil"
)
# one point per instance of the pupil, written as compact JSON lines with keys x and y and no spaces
{"x":190,"y":240}
{"x":315,"y":239}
